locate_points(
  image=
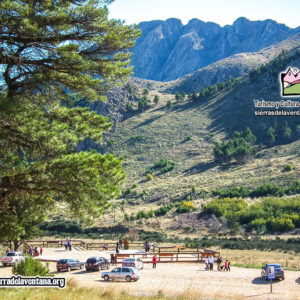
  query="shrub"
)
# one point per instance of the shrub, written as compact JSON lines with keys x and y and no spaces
{"x":169,"y":105}
{"x":288,"y":168}
{"x":162,"y":166}
{"x":240,"y":148}
{"x":149,"y":176}
{"x":129,"y":107}
{"x":31,"y":267}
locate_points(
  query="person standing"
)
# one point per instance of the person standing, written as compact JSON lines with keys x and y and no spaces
{"x":154,"y":261}
{"x":66,"y":244}
{"x":117,"y":248}
{"x":211,"y":263}
{"x":120,"y":243}
{"x":112,"y":259}
{"x":70,"y":245}
{"x":219,"y":261}
{"x":41,"y":251}
{"x":228,"y":265}
{"x":206,"y":263}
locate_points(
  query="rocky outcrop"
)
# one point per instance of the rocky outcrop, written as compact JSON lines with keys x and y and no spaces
{"x":168,"y":49}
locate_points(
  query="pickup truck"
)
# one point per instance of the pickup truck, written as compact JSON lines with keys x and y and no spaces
{"x":12,"y":257}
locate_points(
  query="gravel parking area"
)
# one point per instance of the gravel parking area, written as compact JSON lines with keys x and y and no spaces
{"x":180,"y":278}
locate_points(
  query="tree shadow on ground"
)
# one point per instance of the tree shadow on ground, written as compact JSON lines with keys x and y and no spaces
{"x":200,"y":168}
{"x":147,"y":122}
{"x":261,"y":280}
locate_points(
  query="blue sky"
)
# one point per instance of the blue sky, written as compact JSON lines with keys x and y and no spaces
{"x":223,"y":12}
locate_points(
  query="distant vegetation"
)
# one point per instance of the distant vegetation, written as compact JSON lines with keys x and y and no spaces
{"x":268,"y":215}
{"x":239,"y":148}
{"x":212,"y":89}
{"x":162,"y":166}
{"x":261,"y":191}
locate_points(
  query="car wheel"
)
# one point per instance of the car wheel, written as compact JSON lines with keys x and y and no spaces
{"x":106,"y":278}
{"x":128,"y":278}
{"x":69,"y":269}
{"x":58,"y":270}
{"x":4,"y":265}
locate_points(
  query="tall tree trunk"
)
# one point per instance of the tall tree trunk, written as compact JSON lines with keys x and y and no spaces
{"x":16,"y":245}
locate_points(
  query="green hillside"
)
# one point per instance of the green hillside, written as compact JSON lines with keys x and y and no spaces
{"x":293,"y":90}
{"x":185,"y":134}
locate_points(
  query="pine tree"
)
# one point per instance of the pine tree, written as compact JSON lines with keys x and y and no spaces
{"x":53,"y":52}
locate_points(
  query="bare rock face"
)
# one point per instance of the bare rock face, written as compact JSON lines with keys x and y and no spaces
{"x":168,"y":49}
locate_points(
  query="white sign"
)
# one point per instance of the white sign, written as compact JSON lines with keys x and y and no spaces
{"x":271,"y":272}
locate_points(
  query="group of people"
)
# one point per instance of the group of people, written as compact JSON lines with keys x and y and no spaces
{"x":35,"y":251}
{"x":68,"y":244}
{"x":209,"y":264}
{"x":113,"y":259}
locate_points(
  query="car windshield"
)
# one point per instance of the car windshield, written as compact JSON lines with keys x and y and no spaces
{"x":277,"y":266}
{"x":91,"y":260}
{"x":130,"y":259}
{"x":11,"y":254}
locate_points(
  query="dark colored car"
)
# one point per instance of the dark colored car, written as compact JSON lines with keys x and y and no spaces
{"x":279,"y":272}
{"x":69,"y":264}
{"x":97,"y":264}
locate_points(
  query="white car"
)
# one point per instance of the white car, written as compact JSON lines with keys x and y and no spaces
{"x":133,"y":262}
{"x":12,"y":257}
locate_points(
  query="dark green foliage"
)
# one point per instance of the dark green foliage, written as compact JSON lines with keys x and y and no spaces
{"x":153,"y":236}
{"x":156,"y":99}
{"x":143,"y":103}
{"x":31,"y":267}
{"x":145,"y":92}
{"x":183,"y":209}
{"x":129,"y":107}
{"x":163,"y":210}
{"x":288,"y":168}
{"x":256,"y":243}
{"x":270,"y":214}
{"x":136,"y":139}
{"x":64,"y":228}
{"x":169,"y":104}
{"x":180,"y":97}
{"x":271,"y":135}
{"x":240,"y":148}
{"x":162,"y":166}
{"x":194,"y":96}
{"x":53,"y":55}
{"x":261,"y":191}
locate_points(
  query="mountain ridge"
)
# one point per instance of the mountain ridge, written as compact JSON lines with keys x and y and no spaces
{"x":168,"y":50}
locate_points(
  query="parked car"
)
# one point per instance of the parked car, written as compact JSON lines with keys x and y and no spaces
{"x":69,"y":264}
{"x":279,"y":272}
{"x":133,"y":262}
{"x":121,"y":273}
{"x":12,"y":257}
{"x":97,"y":264}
